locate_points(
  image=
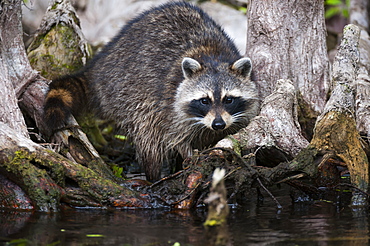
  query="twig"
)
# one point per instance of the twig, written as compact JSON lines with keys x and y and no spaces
{"x":234,"y":154}
{"x":231,"y":172}
{"x":271,"y":195}
{"x":187,"y":195}
{"x":168,"y":177}
{"x":297,"y":176}
{"x":325,"y":158}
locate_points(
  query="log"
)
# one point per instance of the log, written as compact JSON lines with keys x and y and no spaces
{"x":46,"y":177}
{"x":18,"y":155}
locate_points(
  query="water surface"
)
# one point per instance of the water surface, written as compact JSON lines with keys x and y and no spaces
{"x":319,"y":223}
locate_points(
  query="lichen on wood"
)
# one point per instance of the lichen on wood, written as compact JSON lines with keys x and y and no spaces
{"x":59,"y":47}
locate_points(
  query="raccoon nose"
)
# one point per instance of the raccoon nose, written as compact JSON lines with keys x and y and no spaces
{"x":218,"y":123}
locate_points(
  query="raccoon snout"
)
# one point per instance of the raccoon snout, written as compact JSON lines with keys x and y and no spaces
{"x":218,"y":123}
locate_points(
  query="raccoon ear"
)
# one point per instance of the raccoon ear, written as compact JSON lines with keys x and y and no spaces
{"x":190,"y":66}
{"x":243,"y":66}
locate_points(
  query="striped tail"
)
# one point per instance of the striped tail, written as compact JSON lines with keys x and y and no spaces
{"x":66,"y":96}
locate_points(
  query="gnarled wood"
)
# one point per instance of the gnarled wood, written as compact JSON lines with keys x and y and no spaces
{"x":286,"y":40}
{"x":59,"y":47}
{"x":55,"y":53}
{"x":275,"y":133}
{"x":335,"y":130}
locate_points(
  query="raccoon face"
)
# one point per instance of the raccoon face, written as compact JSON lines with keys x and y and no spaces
{"x":218,"y":97}
{"x":217,"y":112}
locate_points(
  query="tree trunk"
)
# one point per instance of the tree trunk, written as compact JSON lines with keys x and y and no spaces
{"x":9,"y":110}
{"x":335,"y":139}
{"x":336,"y":128}
{"x":275,"y":134}
{"x":359,"y":14}
{"x":287,"y":40}
{"x":15,"y":72}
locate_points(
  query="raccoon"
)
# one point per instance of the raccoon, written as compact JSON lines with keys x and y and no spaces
{"x":171,"y":78}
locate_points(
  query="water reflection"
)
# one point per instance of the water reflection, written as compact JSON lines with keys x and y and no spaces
{"x":321,"y":223}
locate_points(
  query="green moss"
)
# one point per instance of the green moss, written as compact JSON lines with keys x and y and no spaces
{"x":237,"y":146}
{"x":37,"y":183}
{"x":305,"y":161}
{"x":55,"y":170}
{"x":54,"y":6}
{"x":57,"y":52}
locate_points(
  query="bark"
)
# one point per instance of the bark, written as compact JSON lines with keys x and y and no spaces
{"x":275,"y":134}
{"x":336,"y":141}
{"x":9,"y":110}
{"x":359,"y":13}
{"x":29,"y":87}
{"x":286,"y":40}
{"x":363,"y":86}
{"x":335,"y":129}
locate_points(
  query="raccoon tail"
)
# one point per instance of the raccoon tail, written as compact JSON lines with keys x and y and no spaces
{"x":67,"y":95}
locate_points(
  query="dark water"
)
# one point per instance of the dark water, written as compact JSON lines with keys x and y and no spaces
{"x":320,"y":223}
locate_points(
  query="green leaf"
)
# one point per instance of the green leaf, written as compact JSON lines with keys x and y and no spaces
{"x":345,"y":13}
{"x":117,"y":171}
{"x":94,"y":235}
{"x":331,"y":12}
{"x":333,"y":2}
{"x":121,"y":137}
{"x":19,"y":242}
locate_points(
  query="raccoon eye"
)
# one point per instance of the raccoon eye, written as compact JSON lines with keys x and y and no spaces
{"x":205,"y":101}
{"x":228,"y":100}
